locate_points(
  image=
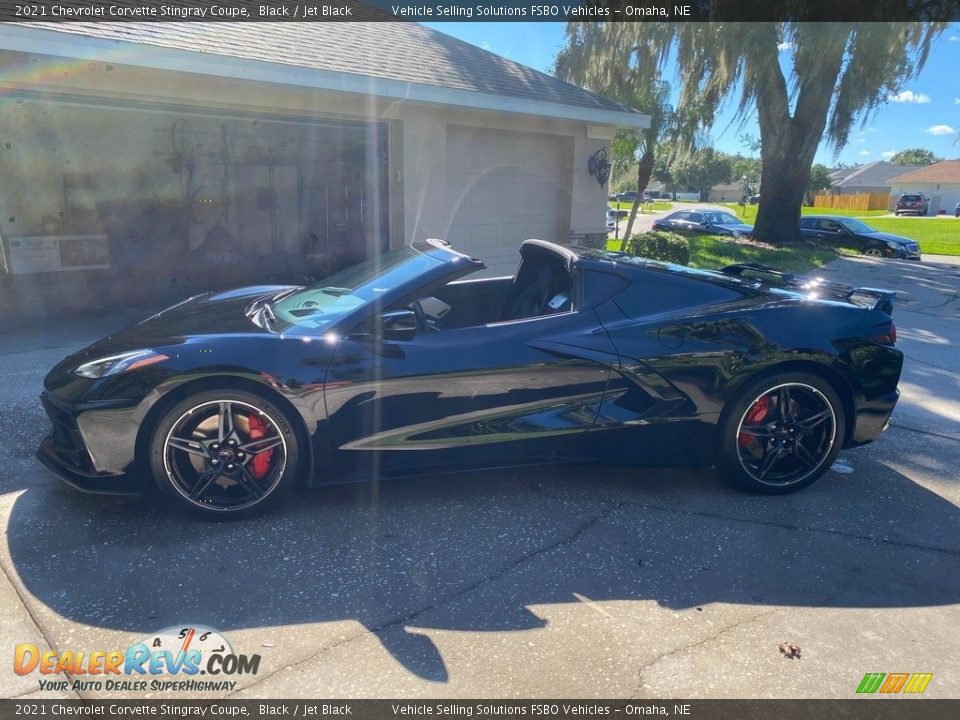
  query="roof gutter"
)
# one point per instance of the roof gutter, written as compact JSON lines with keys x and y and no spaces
{"x":146,"y":55}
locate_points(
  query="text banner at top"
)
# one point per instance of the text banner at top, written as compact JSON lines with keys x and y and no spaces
{"x":477,"y":10}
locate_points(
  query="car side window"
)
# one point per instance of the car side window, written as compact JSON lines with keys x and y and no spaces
{"x":807,"y":223}
{"x":682,"y":216}
{"x":830,"y":226}
{"x":696,"y":217}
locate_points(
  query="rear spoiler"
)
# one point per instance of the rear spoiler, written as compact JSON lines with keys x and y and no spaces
{"x":869,"y":298}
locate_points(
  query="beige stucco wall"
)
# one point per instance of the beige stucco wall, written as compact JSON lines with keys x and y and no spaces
{"x":415,"y":185}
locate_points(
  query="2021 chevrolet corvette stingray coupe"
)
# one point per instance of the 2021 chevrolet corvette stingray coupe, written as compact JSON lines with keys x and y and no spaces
{"x":396,"y":366}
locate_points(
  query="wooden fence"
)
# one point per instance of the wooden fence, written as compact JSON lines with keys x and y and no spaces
{"x":863,"y":201}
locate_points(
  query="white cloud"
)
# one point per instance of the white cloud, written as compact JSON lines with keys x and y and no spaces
{"x":485,"y":45}
{"x":940,"y":130}
{"x":956,"y":101}
{"x":908,"y":96}
{"x":861,"y":139}
{"x":888,"y":154}
{"x":953,"y":38}
{"x":785,"y":45}
{"x":863,"y":153}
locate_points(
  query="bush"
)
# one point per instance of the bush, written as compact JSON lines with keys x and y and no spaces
{"x":660,"y":245}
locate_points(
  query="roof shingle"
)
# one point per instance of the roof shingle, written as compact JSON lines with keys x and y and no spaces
{"x":945,"y":171}
{"x":400,"y":51}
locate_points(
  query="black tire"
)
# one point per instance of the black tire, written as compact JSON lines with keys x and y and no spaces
{"x":224,"y":454}
{"x":873,"y":252}
{"x":800,"y":445}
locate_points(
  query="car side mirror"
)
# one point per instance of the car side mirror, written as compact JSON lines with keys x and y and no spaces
{"x":397,"y":325}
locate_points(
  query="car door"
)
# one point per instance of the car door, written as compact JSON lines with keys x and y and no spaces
{"x":680,"y":222}
{"x":808,"y":227}
{"x":467,"y":397}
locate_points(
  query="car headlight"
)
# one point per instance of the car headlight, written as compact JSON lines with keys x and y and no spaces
{"x":121,"y":363}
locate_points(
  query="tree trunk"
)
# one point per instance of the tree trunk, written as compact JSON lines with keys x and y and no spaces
{"x":786,"y":173}
{"x":644,"y":171}
{"x":788,"y":143}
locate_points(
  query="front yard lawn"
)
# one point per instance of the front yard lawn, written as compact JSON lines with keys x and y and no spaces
{"x":655,"y":206}
{"x":711,"y":253}
{"x":749,"y":212}
{"x":937,"y":236}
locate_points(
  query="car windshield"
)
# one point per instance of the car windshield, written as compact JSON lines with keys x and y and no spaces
{"x":721,"y":218}
{"x":318,"y":306}
{"x":855,"y":226}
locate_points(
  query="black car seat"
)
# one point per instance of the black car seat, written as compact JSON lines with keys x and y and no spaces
{"x":534,"y":300}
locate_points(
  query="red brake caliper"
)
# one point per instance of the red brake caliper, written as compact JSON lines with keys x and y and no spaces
{"x":260,"y":464}
{"x":755,"y":415}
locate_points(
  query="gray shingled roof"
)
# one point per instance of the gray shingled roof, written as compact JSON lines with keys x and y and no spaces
{"x":400,"y":51}
{"x":873,"y":174}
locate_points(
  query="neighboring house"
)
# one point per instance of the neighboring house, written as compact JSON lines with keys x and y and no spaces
{"x":726,"y":193}
{"x":149,"y":160}
{"x":940,"y":182}
{"x":873,"y":177}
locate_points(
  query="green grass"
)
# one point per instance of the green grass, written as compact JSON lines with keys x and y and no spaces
{"x":655,"y":206}
{"x":710,"y":253}
{"x":937,"y":236}
{"x":749,"y":212}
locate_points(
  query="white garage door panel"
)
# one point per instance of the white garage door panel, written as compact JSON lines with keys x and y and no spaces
{"x":502,"y":188}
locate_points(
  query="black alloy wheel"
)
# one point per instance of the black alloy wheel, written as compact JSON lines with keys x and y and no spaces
{"x":224,"y":453}
{"x":782,"y":434}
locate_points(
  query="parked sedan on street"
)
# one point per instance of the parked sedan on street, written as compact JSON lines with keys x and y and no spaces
{"x":397,"y":366}
{"x":850,"y":232}
{"x":704,"y":221}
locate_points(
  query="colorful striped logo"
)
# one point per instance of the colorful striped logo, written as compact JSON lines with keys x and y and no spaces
{"x":893,"y":683}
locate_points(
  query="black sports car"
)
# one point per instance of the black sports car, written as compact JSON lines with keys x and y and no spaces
{"x":857,"y":234}
{"x":704,"y":221}
{"x":396,"y":366}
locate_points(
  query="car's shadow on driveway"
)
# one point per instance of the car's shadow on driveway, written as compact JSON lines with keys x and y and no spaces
{"x":474,"y":552}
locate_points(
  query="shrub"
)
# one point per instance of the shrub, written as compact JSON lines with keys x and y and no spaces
{"x":660,"y":245}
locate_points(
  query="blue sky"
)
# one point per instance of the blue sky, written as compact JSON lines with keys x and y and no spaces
{"x":925,"y":113}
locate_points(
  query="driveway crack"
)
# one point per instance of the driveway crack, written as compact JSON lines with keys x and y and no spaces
{"x":799,"y":528}
{"x":568,"y":539}
{"x":694,"y":645}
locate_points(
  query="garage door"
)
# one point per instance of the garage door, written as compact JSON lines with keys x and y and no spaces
{"x":502,"y":188}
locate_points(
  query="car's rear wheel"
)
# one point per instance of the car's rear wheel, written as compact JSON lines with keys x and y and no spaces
{"x":873,"y":252}
{"x":224,"y":453}
{"x":781,"y":433}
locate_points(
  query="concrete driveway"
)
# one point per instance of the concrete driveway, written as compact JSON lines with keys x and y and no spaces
{"x":572,"y":582}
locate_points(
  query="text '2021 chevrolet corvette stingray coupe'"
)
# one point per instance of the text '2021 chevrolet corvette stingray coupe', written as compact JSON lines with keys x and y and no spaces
{"x":399,"y":365}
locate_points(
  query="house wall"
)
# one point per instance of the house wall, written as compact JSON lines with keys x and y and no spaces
{"x":415,"y":135}
{"x":943,"y":196}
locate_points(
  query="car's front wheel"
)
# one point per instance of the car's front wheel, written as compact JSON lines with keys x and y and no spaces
{"x":781,"y":433}
{"x":224,"y":453}
{"x":873,"y":252}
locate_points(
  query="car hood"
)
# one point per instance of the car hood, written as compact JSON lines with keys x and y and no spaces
{"x":212,"y":313}
{"x":889,"y":237}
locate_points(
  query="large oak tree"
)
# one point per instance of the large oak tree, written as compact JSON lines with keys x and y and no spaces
{"x":835,"y":74}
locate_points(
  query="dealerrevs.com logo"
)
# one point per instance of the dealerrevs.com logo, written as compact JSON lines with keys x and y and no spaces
{"x":169,"y":660}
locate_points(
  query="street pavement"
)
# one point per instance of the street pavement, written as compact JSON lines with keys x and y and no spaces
{"x":570,"y":582}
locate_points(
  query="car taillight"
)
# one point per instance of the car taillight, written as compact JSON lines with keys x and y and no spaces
{"x":884,"y":334}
